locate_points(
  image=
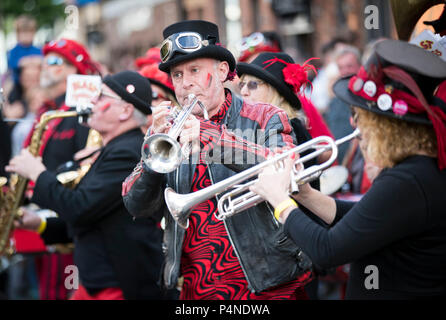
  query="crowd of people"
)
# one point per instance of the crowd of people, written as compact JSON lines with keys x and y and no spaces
{"x":117,"y":228}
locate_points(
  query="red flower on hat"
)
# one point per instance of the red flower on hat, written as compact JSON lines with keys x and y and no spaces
{"x":294,"y":74}
{"x":152,"y":56}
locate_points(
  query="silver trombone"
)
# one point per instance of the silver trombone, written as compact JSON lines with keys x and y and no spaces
{"x":180,"y":205}
{"x":162,"y":152}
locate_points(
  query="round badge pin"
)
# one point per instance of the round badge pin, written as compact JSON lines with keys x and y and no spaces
{"x":388,"y":88}
{"x":79,"y":58}
{"x":370,"y":88}
{"x":61,"y":43}
{"x":384,"y":102}
{"x":130,"y":88}
{"x":400,"y":107}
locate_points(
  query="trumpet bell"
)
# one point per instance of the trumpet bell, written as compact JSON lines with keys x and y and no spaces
{"x":161,"y":153}
{"x":177,"y":205}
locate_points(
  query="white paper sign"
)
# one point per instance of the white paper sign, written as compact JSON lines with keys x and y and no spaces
{"x":81,"y":89}
{"x":431,"y":42}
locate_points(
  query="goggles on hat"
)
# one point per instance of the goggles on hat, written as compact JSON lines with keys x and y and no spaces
{"x":252,"y":41}
{"x":184,"y":42}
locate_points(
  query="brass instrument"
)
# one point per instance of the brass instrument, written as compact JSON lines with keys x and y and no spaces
{"x":162,"y":152}
{"x":180,"y":205}
{"x":70,"y":179}
{"x":11,"y":201}
{"x":406,"y":14}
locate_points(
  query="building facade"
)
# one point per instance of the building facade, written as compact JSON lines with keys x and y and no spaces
{"x":127,"y":28}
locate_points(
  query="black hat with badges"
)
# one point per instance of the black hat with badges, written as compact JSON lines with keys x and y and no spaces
{"x":279,"y":70}
{"x":401,"y":81}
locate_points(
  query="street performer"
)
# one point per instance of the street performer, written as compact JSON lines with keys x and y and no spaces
{"x":63,"y":138}
{"x":118,"y":257}
{"x":247,"y":256}
{"x":395,"y":237}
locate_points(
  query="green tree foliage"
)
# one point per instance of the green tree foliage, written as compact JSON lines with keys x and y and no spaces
{"x":44,"y":11}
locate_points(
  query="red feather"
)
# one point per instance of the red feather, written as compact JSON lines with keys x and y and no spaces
{"x":294,"y":74}
{"x":297,"y":75}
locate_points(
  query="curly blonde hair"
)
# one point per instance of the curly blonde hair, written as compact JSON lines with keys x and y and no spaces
{"x":387,"y":141}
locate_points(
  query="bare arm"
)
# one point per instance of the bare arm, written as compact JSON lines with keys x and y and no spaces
{"x":320,"y":204}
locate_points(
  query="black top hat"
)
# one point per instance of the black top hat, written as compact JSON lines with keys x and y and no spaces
{"x":380,"y":86}
{"x":133,"y":88}
{"x":211,"y":47}
{"x":279,"y":70}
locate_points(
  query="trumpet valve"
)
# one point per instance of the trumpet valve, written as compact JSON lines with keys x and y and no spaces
{"x":294,"y":187}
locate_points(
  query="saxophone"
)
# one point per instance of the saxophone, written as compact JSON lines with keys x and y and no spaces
{"x":12,"y":199}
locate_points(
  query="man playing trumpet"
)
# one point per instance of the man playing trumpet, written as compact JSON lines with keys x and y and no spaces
{"x":245,"y":256}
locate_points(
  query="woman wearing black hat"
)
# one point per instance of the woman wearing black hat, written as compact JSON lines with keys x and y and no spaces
{"x":118,"y":257}
{"x":395,"y":236}
{"x":274,"y":78}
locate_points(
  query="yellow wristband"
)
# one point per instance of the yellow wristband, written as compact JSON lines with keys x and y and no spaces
{"x":42,"y":226}
{"x":283,"y":206}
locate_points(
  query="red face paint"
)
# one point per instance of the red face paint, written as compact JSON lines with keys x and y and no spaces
{"x":105,"y":106}
{"x":209,"y":80}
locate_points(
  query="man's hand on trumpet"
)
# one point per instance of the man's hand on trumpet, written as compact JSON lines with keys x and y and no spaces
{"x":163,"y":118}
{"x":160,"y":117}
{"x":190,"y":136}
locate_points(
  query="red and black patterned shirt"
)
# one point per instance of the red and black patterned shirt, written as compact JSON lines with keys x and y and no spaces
{"x":209,"y":264}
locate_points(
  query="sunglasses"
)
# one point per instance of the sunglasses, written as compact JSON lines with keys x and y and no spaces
{"x":54,"y":61}
{"x":183,"y":42}
{"x":251,"y":85}
{"x":104,"y":94}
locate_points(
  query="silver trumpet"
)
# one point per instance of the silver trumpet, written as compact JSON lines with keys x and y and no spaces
{"x":239,"y":198}
{"x":162,"y":152}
